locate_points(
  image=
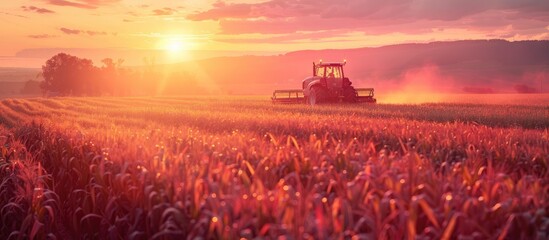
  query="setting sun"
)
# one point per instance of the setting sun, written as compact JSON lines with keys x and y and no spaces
{"x":175,"y":46}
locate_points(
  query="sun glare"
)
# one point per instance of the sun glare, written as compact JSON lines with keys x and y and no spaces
{"x":175,"y":46}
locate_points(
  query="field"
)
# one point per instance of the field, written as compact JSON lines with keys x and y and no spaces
{"x":240,"y":167}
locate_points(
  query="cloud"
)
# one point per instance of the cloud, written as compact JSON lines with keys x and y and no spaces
{"x":86,"y":4}
{"x":164,"y":11}
{"x":36,"y":9}
{"x":77,"y":32}
{"x":133,"y":14}
{"x":317,"y":23}
{"x":324,"y":36}
{"x":372,"y":16}
{"x":41,"y":36}
{"x":93,"y":33}
{"x":367,"y":9}
{"x":70,"y":31}
{"x":221,"y":10}
{"x":15,"y":15}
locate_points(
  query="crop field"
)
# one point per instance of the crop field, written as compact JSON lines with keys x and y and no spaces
{"x":242,"y":168}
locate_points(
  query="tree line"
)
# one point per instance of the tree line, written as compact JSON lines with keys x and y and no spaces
{"x":67,"y":75}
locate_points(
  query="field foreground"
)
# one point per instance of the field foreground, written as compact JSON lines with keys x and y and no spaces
{"x":163,"y":168}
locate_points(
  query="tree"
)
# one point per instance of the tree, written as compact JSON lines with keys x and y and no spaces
{"x":112,"y":77}
{"x":70,"y":75}
{"x":31,"y":87}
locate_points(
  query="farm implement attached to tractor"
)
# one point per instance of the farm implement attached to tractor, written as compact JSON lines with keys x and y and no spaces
{"x":328,"y":84}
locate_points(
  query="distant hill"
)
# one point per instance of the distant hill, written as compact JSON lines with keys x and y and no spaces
{"x":15,"y":82}
{"x":11,"y":87}
{"x":476,"y":66}
{"x":20,"y":89}
{"x":8,"y":74}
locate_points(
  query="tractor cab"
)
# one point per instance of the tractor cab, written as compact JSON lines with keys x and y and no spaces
{"x":331,"y":70}
{"x":331,"y":75}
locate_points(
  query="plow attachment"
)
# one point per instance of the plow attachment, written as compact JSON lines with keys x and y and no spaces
{"x":295,"y":96}
{"x":365,"y":95}
{"x":288,"y":96}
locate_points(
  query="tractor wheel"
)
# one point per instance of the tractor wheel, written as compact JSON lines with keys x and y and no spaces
{"x":315,"y":96}
{"x":350,"y":95}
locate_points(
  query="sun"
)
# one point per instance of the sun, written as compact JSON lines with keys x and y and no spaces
{"x":175,"y":45}
{"x":175,"y":48}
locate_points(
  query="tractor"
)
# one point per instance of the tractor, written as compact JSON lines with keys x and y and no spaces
{"x":328,"y":84}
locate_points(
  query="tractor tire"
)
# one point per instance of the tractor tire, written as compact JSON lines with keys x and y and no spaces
{"x":315,"y":96}
{"x":350,"y":95}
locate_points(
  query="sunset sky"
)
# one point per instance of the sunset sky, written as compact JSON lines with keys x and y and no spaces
{"x":170,"y":31}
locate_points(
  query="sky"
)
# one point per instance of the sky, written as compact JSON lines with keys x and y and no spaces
{"x":171,"y":31}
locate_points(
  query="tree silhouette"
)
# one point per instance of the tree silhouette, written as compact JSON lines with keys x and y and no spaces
{"x":66,"y":75}
{"x":31,"y":87}
{"x":70,"y":75}
{"x":113,"y":80}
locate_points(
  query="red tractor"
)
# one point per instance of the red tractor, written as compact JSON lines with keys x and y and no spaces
{"x":328,"y":84}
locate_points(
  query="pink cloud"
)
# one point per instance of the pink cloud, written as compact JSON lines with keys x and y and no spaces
{"x":93,"y":33}
{"x":70,"y":31}
{"x":287,"y":38}
{"x":36,"y":9}
{"x":370,"y":16}
{"x":86,"y":4}
{"x":222,"y":10}
{"x":164,"y":11}
{"x":14,"y":15}
{"x":41,"y":36}
{"x":77,"y":31}
{"x":317,"y":23}
{"x":371,"y":9}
